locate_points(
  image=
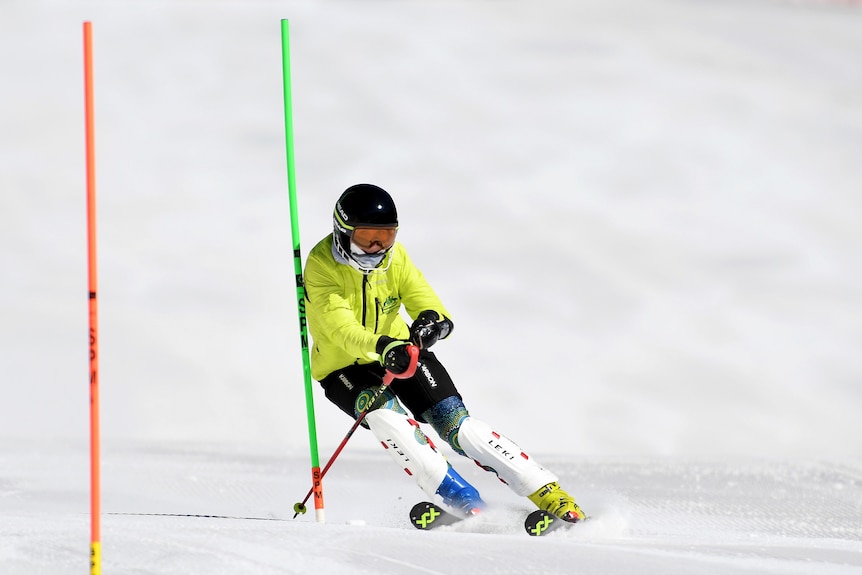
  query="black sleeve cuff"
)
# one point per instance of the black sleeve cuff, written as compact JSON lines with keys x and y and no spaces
{"x":446,"y":327}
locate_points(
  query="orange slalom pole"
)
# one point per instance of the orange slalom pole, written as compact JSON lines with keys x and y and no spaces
{"x":95,"y":483}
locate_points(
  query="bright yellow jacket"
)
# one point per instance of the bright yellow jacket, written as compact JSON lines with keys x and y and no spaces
{"x":348,"y":311}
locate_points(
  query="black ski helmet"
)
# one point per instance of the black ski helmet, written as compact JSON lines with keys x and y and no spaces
{"x":363,"y":206}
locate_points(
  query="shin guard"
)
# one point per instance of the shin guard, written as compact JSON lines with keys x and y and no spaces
{"x":409,"y":448}
{"x":499,"y":454}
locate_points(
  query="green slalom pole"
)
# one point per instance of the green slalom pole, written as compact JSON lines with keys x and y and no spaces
{"x":316,"y":478}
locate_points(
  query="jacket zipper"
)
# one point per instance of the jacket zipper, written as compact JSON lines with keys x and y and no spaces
{"x":365,"y":285}
{"x":364,"y":298}
{"x":376,"y":313}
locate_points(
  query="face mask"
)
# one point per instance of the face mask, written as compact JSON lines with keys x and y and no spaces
{"x":366,"y":261}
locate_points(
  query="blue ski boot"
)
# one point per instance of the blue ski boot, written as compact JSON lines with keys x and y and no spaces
{"x":460,"y":495}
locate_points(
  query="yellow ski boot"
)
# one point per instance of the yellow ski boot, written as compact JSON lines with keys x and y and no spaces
{"x":553,"y":499}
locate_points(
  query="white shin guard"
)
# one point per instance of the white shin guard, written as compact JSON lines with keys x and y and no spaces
{"x":409,"y":448}
{"x":491,"y":449}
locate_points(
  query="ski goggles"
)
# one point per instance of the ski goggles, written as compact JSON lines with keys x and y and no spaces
{"x":374,"y":239}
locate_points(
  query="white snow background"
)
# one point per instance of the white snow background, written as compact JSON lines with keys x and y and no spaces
{"x":644,"y":217}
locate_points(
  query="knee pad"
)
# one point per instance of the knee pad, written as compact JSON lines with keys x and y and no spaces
{"x":385,"y":400}
{"x":495,"y":452}
{"x":446,"y":417}
{"x":409,"y":448}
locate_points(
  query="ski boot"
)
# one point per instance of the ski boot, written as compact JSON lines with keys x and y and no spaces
{"x":458,"y":494}
{"x":553,"y":499}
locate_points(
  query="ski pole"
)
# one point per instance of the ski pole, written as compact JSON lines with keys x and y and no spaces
{"x":388,"y":378}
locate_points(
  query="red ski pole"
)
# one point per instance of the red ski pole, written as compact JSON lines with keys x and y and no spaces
{"x":388,"y":378}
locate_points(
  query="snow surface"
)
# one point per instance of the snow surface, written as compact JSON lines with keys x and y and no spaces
{"x":643,"y":215}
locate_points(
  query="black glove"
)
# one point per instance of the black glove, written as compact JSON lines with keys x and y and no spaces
{"x":428,"y":328}
{"x":393,"y":354}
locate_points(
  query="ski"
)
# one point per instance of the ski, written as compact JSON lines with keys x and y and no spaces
{"x":540,"y":523}
{"x":427,"y":515}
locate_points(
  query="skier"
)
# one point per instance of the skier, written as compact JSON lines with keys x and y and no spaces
{"x":356,"y":281}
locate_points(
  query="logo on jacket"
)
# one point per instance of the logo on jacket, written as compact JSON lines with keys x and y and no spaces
{"x":391,"y":304}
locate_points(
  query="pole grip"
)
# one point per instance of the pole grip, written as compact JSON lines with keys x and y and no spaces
{"x":413,"y":352}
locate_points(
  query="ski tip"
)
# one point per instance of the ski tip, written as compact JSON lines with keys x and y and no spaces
{"x":537,"y":523}
{"x":541,"y":522}
{"x":424,"y":515}
{"x":427,"y":515}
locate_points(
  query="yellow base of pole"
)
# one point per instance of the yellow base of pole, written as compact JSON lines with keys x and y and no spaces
{"x":96,"y":558}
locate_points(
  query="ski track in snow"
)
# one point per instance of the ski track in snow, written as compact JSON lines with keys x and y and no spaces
{"x":705,"y":516}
